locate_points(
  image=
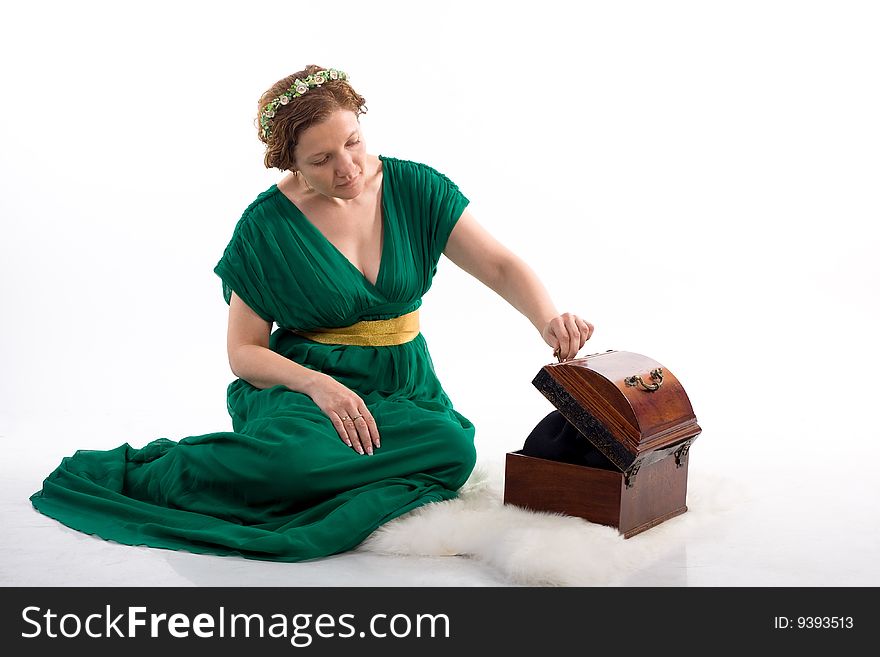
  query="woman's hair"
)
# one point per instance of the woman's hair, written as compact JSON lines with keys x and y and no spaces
{"x":300,"y":113}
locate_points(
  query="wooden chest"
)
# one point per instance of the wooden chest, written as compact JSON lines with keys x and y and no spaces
{"x":636,"y":413}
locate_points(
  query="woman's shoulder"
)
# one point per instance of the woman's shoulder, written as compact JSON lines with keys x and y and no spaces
{"x":413,"y":170}
{"x":253,"y":221}
{"x":259,"y":211}
{"x":262,"y":204}
{"x":401,"y":163}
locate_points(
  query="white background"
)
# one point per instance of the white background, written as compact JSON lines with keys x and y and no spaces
{"x":697,"y":179}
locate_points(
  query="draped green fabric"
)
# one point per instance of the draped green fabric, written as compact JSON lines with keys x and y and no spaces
{"x":281,"y":485}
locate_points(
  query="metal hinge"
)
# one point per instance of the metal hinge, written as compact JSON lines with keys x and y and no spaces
{"x":681,"y":454}
{"x":629,"y":477}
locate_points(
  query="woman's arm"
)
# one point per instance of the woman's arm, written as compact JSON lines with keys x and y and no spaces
{"x":247,"y":346}
{"x":473,"y":249}
{"x":252,"y":360}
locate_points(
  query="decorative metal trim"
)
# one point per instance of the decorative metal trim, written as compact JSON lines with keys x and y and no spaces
{"x":629,"y":477}
{"x":681,"y":454}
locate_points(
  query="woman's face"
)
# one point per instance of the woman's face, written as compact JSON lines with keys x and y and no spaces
{"x":332,"y":157}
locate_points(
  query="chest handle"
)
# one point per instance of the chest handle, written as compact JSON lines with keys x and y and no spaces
{"x":636,"y":380}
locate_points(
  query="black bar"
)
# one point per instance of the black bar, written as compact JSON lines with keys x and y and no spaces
{"x":520,"y":620}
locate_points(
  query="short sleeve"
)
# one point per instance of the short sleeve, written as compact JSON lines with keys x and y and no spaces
{"x":442,"y":205}
{"x":241,"y":270}
{"x":447,"y":203}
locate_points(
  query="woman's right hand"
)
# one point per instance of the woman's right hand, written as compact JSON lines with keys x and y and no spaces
{"x":350,"y":417}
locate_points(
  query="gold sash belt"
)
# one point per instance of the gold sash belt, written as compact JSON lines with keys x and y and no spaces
{"x":370,"y":332}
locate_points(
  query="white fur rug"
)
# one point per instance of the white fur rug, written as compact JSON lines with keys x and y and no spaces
{"x":546,"y":549}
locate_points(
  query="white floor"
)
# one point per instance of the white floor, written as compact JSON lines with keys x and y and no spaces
{"x":756,"y":521}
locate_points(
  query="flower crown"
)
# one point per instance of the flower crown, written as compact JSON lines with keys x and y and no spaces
{"x":299,"y":87}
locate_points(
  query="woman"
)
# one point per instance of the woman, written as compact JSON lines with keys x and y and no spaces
{"x":339,"y":421}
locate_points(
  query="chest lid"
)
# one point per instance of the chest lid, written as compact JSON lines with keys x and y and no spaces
{"x":629,"y":406}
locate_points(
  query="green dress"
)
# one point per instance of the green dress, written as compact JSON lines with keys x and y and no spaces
{"x":282,"y":486}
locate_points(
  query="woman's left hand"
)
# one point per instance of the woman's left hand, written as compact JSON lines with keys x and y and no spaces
{"x":566,"y":333}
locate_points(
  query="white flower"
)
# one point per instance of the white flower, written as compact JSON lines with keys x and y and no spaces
{"x":320,"y":79}
{"x":334,"y":75}
{"x":284,"y":100}
{"x":301,"y":88}
{"x":270,"y":114}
